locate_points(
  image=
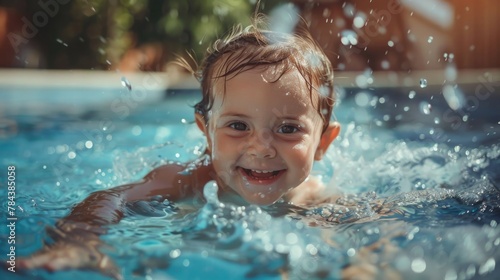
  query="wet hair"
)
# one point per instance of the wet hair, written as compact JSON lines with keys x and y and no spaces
{"x":247,"y":48}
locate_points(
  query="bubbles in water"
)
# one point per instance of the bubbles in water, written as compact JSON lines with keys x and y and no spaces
{"x":412,"y":94}
{"x":423,"y":83}
{"x":126,"y":83}
{"x":429,"y":40}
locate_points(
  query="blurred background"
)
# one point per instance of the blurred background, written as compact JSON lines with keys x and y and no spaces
{"x":144,"y":35}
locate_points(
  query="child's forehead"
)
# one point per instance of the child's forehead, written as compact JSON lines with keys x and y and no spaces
{"x":286,"y":79}
{"x":283,"y":85}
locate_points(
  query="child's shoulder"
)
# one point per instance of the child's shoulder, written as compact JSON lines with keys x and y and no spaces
{"x":192,"y":173}
{"x":310,"y":192}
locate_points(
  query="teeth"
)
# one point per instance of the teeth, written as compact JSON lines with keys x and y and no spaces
{"x":261,"y":171}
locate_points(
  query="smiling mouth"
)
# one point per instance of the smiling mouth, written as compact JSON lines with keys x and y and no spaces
{"x":262,"y":175}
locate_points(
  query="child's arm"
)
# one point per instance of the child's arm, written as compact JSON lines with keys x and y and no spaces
{"x":76,"y":237}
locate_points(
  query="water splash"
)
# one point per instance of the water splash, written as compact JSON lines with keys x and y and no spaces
{"x":348,"y":37}
{"x":453,"y":96}
{"x":423,"y":83}
{"x":126,"y":83}
{"x":425,"y":107}
{"x":283,"y":19}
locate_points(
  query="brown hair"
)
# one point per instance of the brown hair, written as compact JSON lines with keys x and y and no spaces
{"x":245,"y":49}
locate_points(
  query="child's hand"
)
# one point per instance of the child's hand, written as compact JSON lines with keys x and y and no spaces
{"x":71,"y":251}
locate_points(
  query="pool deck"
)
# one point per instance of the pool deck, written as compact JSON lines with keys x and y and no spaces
{"x":174,"y":79}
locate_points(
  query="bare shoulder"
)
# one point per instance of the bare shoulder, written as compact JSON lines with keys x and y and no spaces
{"x":174,"y":181}
{"x":169,"y":181}
{"x":165,"y":172}
{"x":311,"y":191}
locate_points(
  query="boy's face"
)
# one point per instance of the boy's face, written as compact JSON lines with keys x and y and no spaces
{"x":263,"y":136}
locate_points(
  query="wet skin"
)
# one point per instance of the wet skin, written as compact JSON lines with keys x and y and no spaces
{"x":263,"y":137}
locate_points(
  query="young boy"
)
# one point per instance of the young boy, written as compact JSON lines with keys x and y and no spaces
{"x":265,"y":111}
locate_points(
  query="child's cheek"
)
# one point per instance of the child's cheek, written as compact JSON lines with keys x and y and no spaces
{"x":299,"y":146}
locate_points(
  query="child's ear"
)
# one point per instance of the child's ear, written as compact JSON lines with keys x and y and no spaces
{"x":331,"y":132}
{"x":202,"y":125}
{"x":200,"y":122}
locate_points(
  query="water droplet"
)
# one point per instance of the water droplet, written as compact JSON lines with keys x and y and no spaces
{"x":361,"y":81}
{"x":359,"y":20}
{"x":385,"y":64}
{"x":451,"y":275}
{"x":451,"y":72}
{"x":349,"y":10}
{"x":175,"y":253}
{"x":451,"y":57}
{"x":362,"y":99}
{"x":454,"y":97}
{"x":89,"y":144}
{"x":348,"y":37}
{"x":210,"y":192}
{"x":423,"y":83}
{"x":412,"y":94}
{"x":390,"y":43}
{"x":488,"y":266}
{"x":126,"y":83}
{"x":429,"y":40}
{"x":425,"y":108}
{"x":418,"y":265}
{"x":71,"y":155}
{"x":351,"y":252}
{"x":136,"y":130}
{"x":291,"y":238}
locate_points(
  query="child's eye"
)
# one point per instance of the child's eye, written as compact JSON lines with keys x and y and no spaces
{"x":288,"y":129}
{"x":238,"y":126}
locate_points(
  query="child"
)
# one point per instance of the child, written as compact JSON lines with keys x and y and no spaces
{"x":265,"y":112}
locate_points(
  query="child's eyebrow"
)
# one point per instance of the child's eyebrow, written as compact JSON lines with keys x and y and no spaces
{"x":231,"y":114}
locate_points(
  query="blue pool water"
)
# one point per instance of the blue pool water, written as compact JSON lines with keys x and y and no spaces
{"x":429,"y":159}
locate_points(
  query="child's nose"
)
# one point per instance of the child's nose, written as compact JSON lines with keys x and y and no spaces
{"x":260,"y":144}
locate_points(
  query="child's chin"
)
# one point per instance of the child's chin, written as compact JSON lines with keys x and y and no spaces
{"x":262,"y":199}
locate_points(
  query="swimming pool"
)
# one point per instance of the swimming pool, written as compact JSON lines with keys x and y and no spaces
{"x":429,"y":152}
